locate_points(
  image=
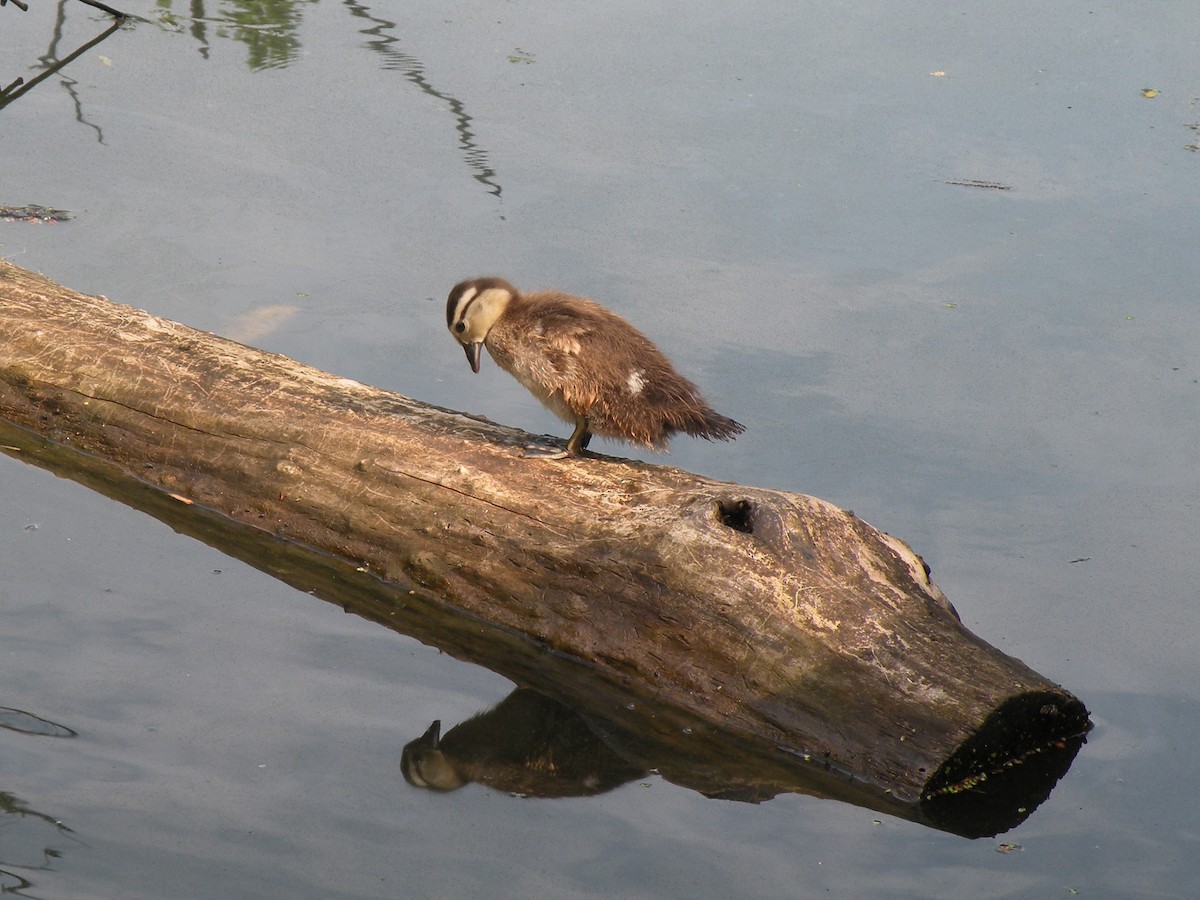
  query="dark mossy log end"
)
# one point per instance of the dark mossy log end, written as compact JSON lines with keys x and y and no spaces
{"x":776,"y":615}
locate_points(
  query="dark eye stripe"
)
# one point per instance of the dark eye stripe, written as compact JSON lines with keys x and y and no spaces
{"x":455,"y":298}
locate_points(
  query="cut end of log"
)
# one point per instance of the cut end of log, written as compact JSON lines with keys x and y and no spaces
{"x":1009,"y":766}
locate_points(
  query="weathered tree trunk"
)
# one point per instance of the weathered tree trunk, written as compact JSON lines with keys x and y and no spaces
{"x":773,"y":615}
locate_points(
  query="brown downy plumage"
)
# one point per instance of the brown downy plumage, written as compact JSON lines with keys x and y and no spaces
{"x":586,"y":364}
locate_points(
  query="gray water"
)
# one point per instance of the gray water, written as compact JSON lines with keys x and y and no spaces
{"x":1006,"y":377}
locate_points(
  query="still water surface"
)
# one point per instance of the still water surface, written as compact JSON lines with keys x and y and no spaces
{"x":1006,"y":377}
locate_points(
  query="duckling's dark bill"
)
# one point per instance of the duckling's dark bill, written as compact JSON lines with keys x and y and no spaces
{"x":472,"y":351}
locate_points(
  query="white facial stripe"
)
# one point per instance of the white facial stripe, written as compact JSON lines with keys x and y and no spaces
{"x":635,"y":381}
{"x":461,"y":306}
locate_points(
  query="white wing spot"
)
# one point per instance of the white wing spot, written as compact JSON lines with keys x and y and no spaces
{"x":635,"y":381}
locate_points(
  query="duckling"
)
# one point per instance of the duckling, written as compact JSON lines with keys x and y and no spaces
{"x":586,"y":364}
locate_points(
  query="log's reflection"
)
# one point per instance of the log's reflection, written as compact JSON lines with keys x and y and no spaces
{"x":527,"y":744}
{"x":532,"y":745}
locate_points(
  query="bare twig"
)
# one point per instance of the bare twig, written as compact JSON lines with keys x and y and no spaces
{"x":108,"y":9}
{"x":19,"y":87}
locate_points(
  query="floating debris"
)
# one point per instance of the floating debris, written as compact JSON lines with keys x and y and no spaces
{"x":34,"y":213}
{"x":971,"y":182}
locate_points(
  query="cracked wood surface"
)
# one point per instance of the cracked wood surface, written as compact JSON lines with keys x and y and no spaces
{"x":776,"y":614}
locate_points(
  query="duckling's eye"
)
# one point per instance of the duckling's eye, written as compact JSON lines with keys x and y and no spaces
{"x":460,"y":327}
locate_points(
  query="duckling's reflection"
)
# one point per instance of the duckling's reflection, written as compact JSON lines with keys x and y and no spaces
{"x":527,"y":744}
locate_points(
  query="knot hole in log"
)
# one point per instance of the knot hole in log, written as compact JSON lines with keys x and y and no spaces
{"x":737,"y":514}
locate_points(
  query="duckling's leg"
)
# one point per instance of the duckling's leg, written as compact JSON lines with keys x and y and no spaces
{"x":576,"y":444}
{"x":579,"y":438}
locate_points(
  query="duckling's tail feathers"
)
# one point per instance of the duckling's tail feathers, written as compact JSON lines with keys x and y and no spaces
{"x":712,"y":426}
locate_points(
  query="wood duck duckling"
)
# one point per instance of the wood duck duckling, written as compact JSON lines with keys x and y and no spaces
{"x":587,"y":365}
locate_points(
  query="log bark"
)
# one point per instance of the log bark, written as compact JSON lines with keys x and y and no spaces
{"x":772,"y":616}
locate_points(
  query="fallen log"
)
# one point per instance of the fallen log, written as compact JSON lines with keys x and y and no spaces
{"x":771,"y":616}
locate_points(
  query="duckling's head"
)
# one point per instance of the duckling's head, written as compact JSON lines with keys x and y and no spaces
{"x":425,"y":765}
{"x":473,"y":308}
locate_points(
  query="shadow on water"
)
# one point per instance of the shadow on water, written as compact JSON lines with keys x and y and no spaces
{"x":267,"y":29}
{"x":51,"y":62}
{"x":571,"y":729}
{"x":396,"y":59}
{"x":270,"y":33}
{"x":32,"y":842}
